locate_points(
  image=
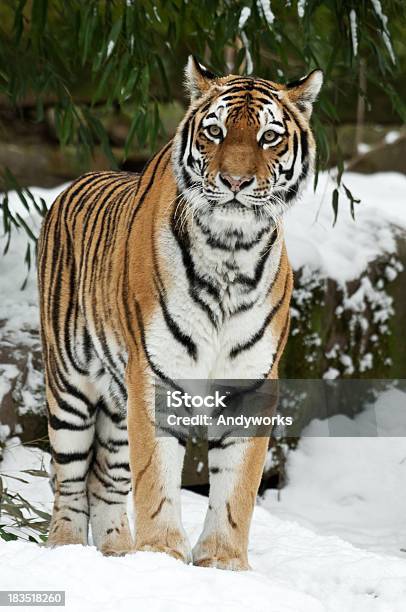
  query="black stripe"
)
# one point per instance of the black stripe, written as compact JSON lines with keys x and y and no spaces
{"x":239,"y":245}
{"x":57,"y":423}
{"x":106,"y":501}
{"x":65,"y":458}
{"x":110,"y":485}
{"x":115,"y":417}
{"x":119,"y":466}
{"x":77,"y":510}
{"x":156,"y":370}
{"x":175,"y":330}
{"x":259,"y":334}
{"x":160,"y":506}
{"x":259,"y":268}
{"x":195,"y":282}
{"x":158,"y":159}
{"x":289,"y":173}
{"x":220,"y":443}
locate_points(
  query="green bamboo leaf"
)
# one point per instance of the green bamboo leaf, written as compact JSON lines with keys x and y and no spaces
{"x":12,"y":510}
{"x":27,"y":257}
{"x":12,"y":183}
{"x":352,"y":201}
{"x":44,"y":207}
{"x":41,"y":209}
{"x":7,"y":246}
{"x":131,"y":133}
{"x":27,"y":228}
{"x":41,"y":473}
{"x":18,"y":25}
{"x":113,"y":37}
{"x":107,"y":72}
{"x":38,"y":21}
{"x":6,"y":535}
{"x":334,"y":203}
{"x":163,"y":74}
{"x":8,"y":217}
{"x":6,"y":214}
{"x":40,"y":513}
{"x":14,"y":478}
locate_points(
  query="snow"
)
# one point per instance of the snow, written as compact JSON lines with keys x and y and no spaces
{"x":244,"y":16}
{"x":352,"y":487}
{"x":331,"y":374}
{"x":363,"y":148}
{"x":385,"y":32}
{"x":19,"y":308}
{"x":264,"y":6}
{"x":8,"y":371}
{"x":354,"y":34}
{"x":392,"y":136}
{"x":294,"y":568}
{"x":301,"y":7}
{"x":110,"y":47}
{"x":4,"y":432}
{"x":248,"y":56}
{"x":343,"y":252}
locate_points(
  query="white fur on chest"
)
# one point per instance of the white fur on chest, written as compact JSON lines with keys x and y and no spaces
{"x":214,"y":343}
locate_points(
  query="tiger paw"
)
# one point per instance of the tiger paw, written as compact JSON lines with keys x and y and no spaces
{"x":206,"y":555}
{"x":117,"y":543}
{"x":174,"y":544}
{"x":63,"y":533}
{"x":114,"y":538}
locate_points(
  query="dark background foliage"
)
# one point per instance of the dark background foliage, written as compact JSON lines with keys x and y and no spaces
{"x":90,"y":61}
{"x":101,"y":80}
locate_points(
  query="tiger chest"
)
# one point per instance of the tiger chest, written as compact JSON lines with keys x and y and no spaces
{"x":189,"y":345}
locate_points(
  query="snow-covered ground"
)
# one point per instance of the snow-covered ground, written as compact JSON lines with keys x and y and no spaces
{"x":294,"y":569}
{"x":352,"y":487}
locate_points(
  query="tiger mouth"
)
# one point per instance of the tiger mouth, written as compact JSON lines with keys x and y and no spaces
{"x":233,"y":204}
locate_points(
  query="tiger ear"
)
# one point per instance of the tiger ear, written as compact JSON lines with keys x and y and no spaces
{"x":198,"y":79}
{"x":305,"y":91}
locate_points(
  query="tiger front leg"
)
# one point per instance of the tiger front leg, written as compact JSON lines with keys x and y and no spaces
{"x":156,"y":471}
{"x":235,"y":466}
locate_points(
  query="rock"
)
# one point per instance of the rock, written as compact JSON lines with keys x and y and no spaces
{"x":386,"y":157}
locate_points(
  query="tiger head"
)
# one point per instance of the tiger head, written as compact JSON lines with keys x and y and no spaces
{"x":245,"y":147}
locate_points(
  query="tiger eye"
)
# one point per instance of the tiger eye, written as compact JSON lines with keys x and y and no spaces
{"x":269,"y":136}
{"x":214,"y":130}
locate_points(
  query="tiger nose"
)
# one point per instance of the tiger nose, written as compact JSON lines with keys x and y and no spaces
{"x":235,"y":183}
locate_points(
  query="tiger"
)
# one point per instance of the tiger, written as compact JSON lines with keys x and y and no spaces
{"x":180,"y":272}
